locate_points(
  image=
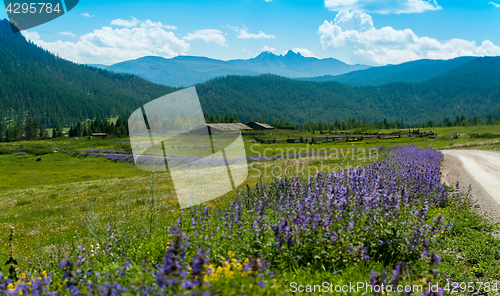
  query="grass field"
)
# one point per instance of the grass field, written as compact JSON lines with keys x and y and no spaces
{"x":65,"y":203}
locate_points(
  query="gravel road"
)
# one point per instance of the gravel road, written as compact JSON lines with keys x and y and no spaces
{"x":481,"y":170}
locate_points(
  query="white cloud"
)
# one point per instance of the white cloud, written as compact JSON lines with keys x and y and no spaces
{"x":236,"y":29}
{"x":149,"y":24}
{"x":33,"y":35}
{"x":387,"y":6}
{"x":86,"y":14}
{"x":208,"y":35}
{"x":144,"y":24}
{"x":66,"y":34}
{"x":266,"y":48}
{"x":246,"y":50}
{"x":268,"y":0}
{"x":354,"y":20}
{"x":245,"y":35}
{"x":124,"y":23}
{"x":494,"y":4}
{"x":109,"y":46}
{"x":304,"y":52}
{"x":170,"y":27}
{"x":353,"y":33}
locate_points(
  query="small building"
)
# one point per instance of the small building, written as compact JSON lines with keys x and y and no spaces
{"x":259,"y":126}
{"x":102,"y":135}
{"x":217,"y":128}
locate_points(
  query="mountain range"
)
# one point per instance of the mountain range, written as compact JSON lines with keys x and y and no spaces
{"x":472,"y":89}
{"x":183,"y":71}
{"x":412,"y":72}
{"x":52,"y":90}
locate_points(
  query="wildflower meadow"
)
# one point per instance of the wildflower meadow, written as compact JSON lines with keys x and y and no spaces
{"x":387,"y":223}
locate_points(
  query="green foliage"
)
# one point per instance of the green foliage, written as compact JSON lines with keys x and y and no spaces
{"x":57,"y":132}
{"x":65,"y":202}
{"x":273,"y":97}
{"x":30,"y":128}
{"x":36,"y":149}
{"x":228,"y":118}
{"x":411,"y":72}
{"x":471,"y":253}
{"x":25,"y":148}
{"x":55,"y":91}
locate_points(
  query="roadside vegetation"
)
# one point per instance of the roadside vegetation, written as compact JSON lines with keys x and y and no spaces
{"x":86,"y":222}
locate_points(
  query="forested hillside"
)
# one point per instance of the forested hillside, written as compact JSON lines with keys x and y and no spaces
{"x":412,"y":72}
{"x":271,"y":97}
{"x":53,"y":90}
{"x":482,"y":72}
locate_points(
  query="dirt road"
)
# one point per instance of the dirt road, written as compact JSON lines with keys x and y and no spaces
{"x":480,"y":169}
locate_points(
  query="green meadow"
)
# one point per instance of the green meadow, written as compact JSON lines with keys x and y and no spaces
{"x":65,"y":201}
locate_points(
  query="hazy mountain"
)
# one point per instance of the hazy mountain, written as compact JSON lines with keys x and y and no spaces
{"x":413,"y":72}
{"x":189,"y":70}
{"x":295,"y":65}
{"x":273,"y":97}
{"x":479,"y":72}
{"x":53,"y":90}
{"x":178,"y":71}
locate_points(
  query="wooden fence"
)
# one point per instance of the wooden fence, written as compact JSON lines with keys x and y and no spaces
{"x":345,"y":137}
{"x":485,"y":136}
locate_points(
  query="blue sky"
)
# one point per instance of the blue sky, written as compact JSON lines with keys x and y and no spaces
{"x":355,"y":31}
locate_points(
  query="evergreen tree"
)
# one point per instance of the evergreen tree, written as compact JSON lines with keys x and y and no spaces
{"x":42,"y":131}
{"x":78,"y":129}
{"x":121,"y":131}
{"x":16,"y":132}
{"x":489,"y":121}
{"x":86,"y":132}
{"x":59,"y":131}
{"x":30,"y":128}
{"x":2,"y":132}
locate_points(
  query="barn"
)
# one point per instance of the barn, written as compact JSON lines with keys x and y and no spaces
{"x":102,"y":135}
{"x":259,"y":126}
{"x":217,"y":128}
